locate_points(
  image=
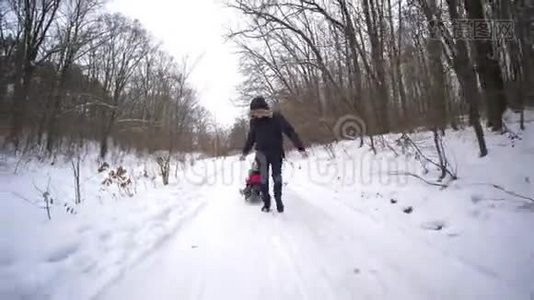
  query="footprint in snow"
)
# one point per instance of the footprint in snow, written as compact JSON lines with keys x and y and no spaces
{"x":62,"y":253}
{"x":83,"y":229}
{"x":433,"y":225}
{"x":407,"y":210}
{"x":104,"y":236}
{"x":527,"y":206}
{"x":475,"y":198}
{"x":6,"y":260}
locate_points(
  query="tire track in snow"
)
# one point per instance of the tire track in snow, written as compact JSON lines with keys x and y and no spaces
{"x":398,"y":227}
{"x":332,"y":249}
{"x":185,"y":218}
{"x":287,"y":259}
{"x":403,"y":263}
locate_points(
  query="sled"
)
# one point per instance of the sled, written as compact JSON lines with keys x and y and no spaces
{"x":253,"y":195}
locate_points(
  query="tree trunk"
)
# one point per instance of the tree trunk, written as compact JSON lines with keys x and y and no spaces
{"x":105,"y":135}
{"x":438,"y":114}
{"x":57,"y":95}
{"x":488,"y":69}
{"x":400,"y":79}
{"x":23,"y":77}
{"x":356,"y":79}
{"x":468,"y":82}
{"x":381,"y":93}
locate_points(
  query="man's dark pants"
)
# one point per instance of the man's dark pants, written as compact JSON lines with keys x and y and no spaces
{"x":274,"y":160}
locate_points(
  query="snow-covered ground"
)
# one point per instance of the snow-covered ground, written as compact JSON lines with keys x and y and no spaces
{"x":351,"y":229}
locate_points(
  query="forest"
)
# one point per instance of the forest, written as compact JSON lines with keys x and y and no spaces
{"x":70,"y":72}
{"x":396,"y":66}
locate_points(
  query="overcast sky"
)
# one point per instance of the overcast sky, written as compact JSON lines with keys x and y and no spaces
{"x":195,"y":28}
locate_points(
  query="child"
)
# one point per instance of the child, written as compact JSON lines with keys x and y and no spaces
{"x":253,"y":182}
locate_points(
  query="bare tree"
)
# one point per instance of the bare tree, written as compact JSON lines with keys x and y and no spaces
{"x":125,"y":45}
{"x":34,"y":20}
{"x":488,"y":69}
{"x":396,"y":64}
{"x":76,"y":31}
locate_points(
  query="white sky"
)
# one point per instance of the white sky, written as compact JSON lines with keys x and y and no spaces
{"x":195,"y":28}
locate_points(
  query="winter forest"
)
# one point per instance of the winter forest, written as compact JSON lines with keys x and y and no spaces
{"x":118,"y":181}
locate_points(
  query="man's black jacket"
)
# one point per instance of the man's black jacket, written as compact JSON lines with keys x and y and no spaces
{"x":266,"y":133}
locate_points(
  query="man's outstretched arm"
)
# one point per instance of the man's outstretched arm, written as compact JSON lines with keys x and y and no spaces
{"x":290,"y":132}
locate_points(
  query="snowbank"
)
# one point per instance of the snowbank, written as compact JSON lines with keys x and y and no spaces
{"x":481,"y":220}
{"x":83,"y":247}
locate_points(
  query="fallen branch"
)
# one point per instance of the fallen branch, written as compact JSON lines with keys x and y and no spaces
{"x":392,"y":149}
{"x":421,"y":154}
{"x":385,"y":144}
{"x":26,"y":200}
{"x":46,"y":197}
{"x":506,"y":191}
{"x":76,"y":174}
{"x":418,"y":177}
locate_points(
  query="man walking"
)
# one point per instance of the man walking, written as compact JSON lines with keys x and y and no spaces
{"x":265,"y":131}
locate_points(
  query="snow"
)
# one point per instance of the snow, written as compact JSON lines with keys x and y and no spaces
{"x":351,"y":229}
{"x":74,"y":255}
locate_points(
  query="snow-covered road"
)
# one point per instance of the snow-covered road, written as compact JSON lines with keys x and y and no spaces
{"x":231,"y":250}
{"x":351,"y":229}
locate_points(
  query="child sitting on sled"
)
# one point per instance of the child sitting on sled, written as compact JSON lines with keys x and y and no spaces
{"x":253,"y":183}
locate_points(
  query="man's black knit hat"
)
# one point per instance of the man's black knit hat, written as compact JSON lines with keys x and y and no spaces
{"x":258,"y":103}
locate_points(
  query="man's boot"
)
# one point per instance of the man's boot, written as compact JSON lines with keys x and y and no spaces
{"x":266,"y":203}
{"x":278,"y":193}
